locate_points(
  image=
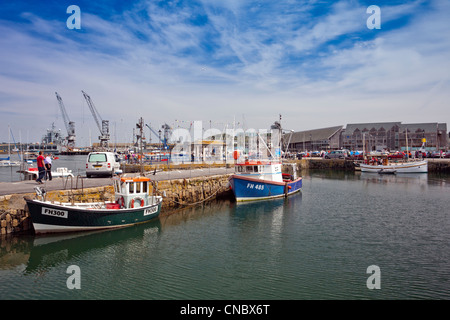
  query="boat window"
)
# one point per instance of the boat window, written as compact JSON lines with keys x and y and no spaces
{"x":144,"y":186}
{"x":131,"y":187}
{"x":249,"y":168}
{"x":138,"y":187}
{"x":255,"y":168}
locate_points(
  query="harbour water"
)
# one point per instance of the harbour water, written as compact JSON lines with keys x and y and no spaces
{"x":315,"y":245}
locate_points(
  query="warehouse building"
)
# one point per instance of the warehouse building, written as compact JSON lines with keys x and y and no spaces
{"x":317,"y":139}
{"x":395,"y":136}
{"x":371,"y":136}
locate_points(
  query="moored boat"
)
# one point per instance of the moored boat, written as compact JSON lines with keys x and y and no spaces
{"x":259,"y":180}
{"x":7,"y":162}
{"x":33,"y":173}
{"x":132,"y":205}
{"x":395,"y":167}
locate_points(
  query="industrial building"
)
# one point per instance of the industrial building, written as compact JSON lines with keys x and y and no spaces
{"x":371,"y":136}
{"x":395,"y":136}
{"x":317,"y":139}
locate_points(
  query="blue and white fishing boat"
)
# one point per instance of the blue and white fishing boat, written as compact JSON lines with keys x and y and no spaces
{"x":260,"y":180}
{"x":256,"y":179}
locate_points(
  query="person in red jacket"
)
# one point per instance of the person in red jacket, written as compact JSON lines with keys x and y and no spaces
{"x":41,"y":167}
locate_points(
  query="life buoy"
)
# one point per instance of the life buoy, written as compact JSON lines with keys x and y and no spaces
{"x":134,"y":199}
{"x":236,"y":154}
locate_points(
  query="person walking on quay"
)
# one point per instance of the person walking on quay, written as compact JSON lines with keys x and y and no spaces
{"x":41,"y":167}
{"x":48,"y":167}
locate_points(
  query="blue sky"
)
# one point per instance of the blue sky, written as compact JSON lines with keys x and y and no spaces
{"x":314,"y":62}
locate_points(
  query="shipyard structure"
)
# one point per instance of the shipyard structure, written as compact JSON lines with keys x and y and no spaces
{"x":371,"y":136}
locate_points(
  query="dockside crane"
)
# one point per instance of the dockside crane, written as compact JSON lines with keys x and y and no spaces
{"x":166,"y":133}
{"x":104,"y":127}
{"x":70,"y":125}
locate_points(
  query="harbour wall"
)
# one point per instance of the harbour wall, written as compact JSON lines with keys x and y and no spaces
{"x":434,"y":165}
{"x":178,"y":193}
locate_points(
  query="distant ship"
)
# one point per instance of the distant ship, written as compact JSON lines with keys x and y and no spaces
{"x":51,"y":142}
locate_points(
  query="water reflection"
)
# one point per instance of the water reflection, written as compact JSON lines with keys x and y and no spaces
{"x":420,"y":179}
{"x":316,"y":244}
{"x":49,"y":251}
{"x":197,"y":212}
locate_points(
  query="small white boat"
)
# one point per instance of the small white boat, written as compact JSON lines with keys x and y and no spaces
{"x":33,"y":173}
{"x":396,"y":167}
{"x":9,"y":163}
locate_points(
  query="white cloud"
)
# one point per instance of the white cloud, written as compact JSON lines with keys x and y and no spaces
{"x":150,"y":62}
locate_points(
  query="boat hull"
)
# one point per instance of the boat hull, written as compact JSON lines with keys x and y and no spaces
{"x":250,"y":189}
{"x":407,"y":167}
{"x":53,"y":218}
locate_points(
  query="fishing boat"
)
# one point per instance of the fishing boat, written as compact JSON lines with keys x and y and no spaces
{"x":132,"y":205}
{"x":386,"y":166}
{"x":259,"y":180}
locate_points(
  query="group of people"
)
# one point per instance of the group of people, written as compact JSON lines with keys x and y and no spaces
{"x":44,"y":165}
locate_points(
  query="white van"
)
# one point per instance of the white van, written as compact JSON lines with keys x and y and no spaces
{"x":102,"y":163}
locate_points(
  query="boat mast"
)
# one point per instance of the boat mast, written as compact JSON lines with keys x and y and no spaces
{"x":407,"y":155}
{"x":9,"y":143}
{"x":140,"y":137}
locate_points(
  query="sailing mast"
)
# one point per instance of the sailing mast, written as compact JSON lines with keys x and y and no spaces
{"x":140,"y":126}
{"x":407,"y":153}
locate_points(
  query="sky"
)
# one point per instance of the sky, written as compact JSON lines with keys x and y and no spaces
{"x":223,"y":62}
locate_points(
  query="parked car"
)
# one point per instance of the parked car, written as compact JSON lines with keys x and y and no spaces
{"x":435,"y":154}
{"x":396,"y":155}
{"x":102,"y":163}
{"x":336,"y":154}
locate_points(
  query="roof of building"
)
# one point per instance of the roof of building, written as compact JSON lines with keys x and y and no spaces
{"x":312,"y":135}
{"x":412,"y":127}
{"x":351,"y":127}
{"x":427,"y":127}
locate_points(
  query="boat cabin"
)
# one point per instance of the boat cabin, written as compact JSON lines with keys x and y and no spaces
{"x":132,"y":192}
{"x":260,"y":170}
